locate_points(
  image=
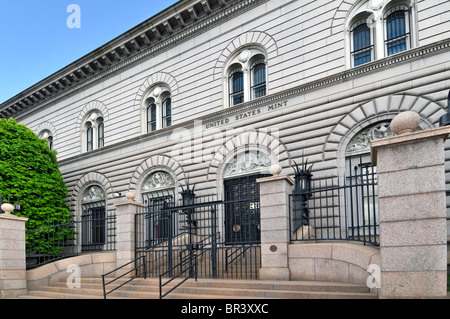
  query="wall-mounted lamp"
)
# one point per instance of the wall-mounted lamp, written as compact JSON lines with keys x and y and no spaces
{"x":8,"y":208}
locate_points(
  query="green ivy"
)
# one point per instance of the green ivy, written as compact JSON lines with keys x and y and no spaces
{"x":29,"y":170}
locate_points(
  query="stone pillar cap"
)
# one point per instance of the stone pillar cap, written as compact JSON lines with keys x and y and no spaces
{"x":405,"y":122}
{"x":275,"y":178}
{"x":440,"y":132}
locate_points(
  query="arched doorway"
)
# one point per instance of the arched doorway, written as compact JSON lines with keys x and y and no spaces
{"x":241,"y":196}
{"x":93,"y":219}
{"x":361,"y":178}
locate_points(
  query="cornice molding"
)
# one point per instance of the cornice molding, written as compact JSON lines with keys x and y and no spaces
{"x":144,"y":40}
{"x":48,"y":93}
{"x":273,"y":98}
{"x":404,"y":57}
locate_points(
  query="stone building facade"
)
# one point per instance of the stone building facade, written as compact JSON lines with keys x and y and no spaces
{"x":209,"y":91}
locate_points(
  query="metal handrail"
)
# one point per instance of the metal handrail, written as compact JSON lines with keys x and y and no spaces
{"x":192,"y":267}
{"x":126,"y":273}
{"x":235,"y":257}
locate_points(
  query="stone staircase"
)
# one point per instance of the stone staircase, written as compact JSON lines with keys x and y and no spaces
{"x":91,"y":288}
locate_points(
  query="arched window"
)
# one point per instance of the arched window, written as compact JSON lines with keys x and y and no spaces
{"x":246,"y":76}
{"x":93,"y":219}
{"x":158,"y":193}
{"x":101,"y":133}
{"x":50,"y":142}
{"x":89,"y":137}
{"x":258,"y":79}
{"x":236,"y":87}
{"x":151,"y":116}
{"x":397,"y":30}
{"x":48,"y":136}
{"x":158,"y":108}
{"x":167,"y":112}
{"x":377,"y":29}
{"x":362,"y":43}
{"x":93,"y":132}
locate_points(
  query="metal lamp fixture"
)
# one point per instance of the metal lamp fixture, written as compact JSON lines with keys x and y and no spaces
{"x":302,"y":178}
{"x":302,"y":193}
{"x":8,"y":208}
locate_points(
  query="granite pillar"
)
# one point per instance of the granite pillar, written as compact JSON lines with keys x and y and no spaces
{"x":412,"y":206}
{"x":13,"y":273}
{"x":125,"y":232}
{"x":274,"y":208}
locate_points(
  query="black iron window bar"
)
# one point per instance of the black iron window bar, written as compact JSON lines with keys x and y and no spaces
{"x":59,"y":238}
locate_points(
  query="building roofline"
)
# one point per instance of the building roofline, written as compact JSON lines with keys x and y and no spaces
{"x":180,"y":16}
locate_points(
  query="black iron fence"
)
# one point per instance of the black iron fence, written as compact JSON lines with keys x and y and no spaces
{"x":333,"y":209}
{"x":51,"y":240}
{"x":170,"y":236}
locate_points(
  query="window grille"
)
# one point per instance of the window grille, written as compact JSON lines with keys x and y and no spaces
{"x":362,"y":45}
{"x":167,"y":112}
{"x":259,"y":80}
{"x":397,"y":35}
{"x":90,"y":138}
{"x":151,"y":118}
{"x":101,"y":134}
{"x":93,"y":235}
{"x":236,"y":87}
{"x":242,"y":210}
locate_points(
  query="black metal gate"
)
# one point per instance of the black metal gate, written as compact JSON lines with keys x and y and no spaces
{"x":221,"y":237}
{"x":242,"y":210}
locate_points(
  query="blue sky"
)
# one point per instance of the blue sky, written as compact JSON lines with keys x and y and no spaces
{"x":35,"y":40}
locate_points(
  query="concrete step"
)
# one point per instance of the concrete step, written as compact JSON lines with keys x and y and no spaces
{"x":92,"y":288}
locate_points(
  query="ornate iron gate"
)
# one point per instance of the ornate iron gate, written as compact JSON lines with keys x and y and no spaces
{"x":222,"y":236}
{"x":242,"y":211}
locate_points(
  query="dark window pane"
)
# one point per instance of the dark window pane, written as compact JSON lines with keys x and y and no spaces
{"x":396,"y":35}
{"x":237,"y":88}
{"x":90,"y":138}
{"x":151,"y":118}
{"x":259,"y":80}
{"x":167,"y":112}
{"x":362,"y":46}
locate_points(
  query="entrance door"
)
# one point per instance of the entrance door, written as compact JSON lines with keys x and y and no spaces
{"x":242,"y":210}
